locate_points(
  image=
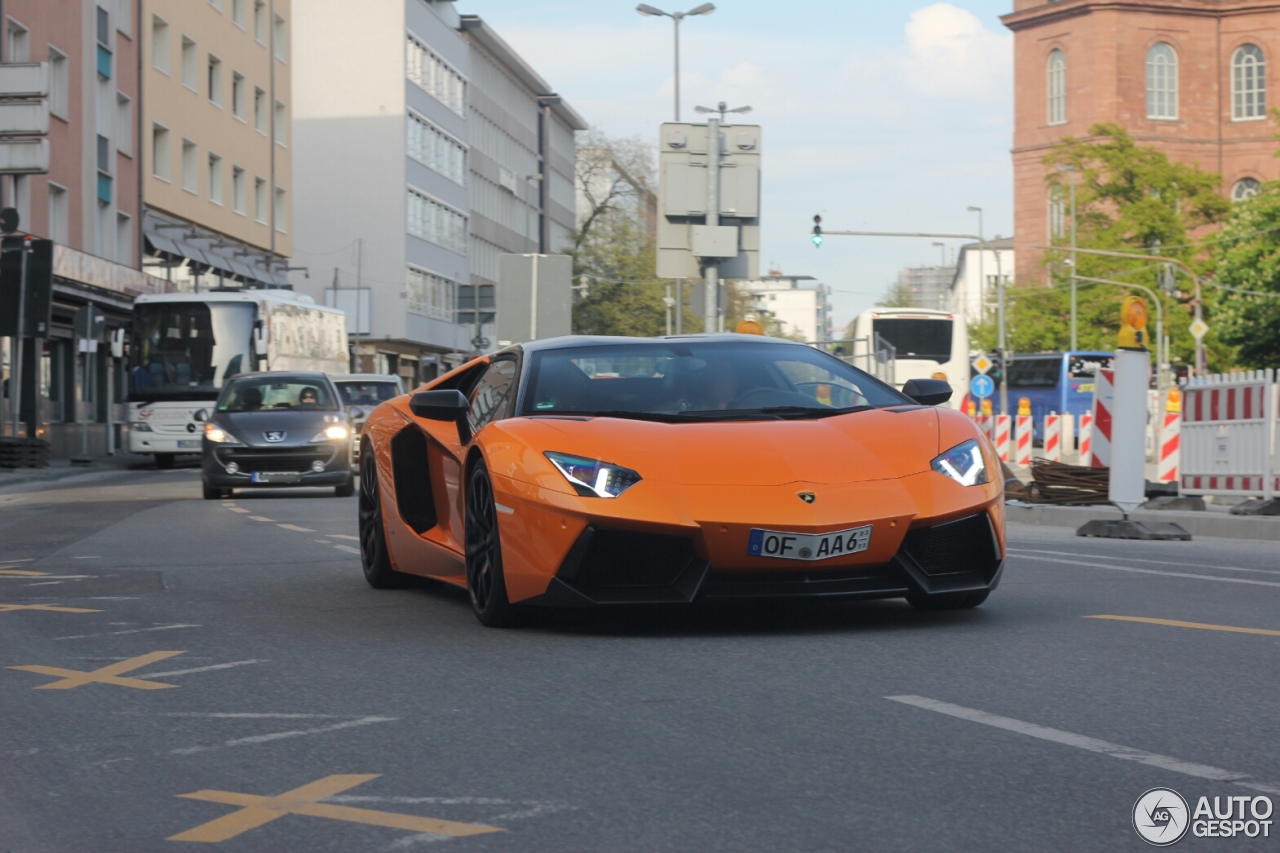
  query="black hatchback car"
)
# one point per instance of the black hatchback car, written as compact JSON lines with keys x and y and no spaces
{"x":276,"y":429}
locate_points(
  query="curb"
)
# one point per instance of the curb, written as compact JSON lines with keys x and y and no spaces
{"x":1211,"y":524}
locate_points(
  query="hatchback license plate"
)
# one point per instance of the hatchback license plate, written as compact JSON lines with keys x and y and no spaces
{"x":275,"y":477}
{"x":808,"y":546}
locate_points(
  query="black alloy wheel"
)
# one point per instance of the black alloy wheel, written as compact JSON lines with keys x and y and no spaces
{"x":374,"y":557}
{"x":483,"y":545}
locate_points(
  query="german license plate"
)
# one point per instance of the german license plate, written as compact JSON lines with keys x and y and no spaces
{"x":275,"y":477}
{"x":808,"y":546}
{"x":186,"y":442}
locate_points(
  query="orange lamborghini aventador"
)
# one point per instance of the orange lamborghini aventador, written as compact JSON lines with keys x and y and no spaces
{"x":581,"y":471}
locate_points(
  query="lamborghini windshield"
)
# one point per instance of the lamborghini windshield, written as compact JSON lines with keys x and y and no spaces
{"x":699,"y":380}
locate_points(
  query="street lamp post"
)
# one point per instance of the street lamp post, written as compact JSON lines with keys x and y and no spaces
{"x":982,"y":271}
{"x":1075,"y":336}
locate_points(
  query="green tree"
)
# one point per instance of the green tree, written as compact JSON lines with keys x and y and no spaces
{"x":1249,"y":259}
{"x":1129,"y":198}
{"x":898,"y":295}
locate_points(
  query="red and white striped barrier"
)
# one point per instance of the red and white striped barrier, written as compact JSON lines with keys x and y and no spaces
{"x":1228,"y":430}
{"x":1170,"y":434}
{"x":1022,"y":456}
{"x":1103,"y":401}
{"x":1053,"y":437}
{"x":1001,"y":439}
{"x":1086,"y":439}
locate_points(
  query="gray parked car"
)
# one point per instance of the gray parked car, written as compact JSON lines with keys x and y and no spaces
{"x":276,"y":429}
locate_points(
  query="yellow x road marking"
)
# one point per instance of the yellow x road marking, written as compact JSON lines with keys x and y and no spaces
{"x":58,"y":608}
{"x":107,"y":675}
{"x":22,"y":573}
{"x":257,"y":811}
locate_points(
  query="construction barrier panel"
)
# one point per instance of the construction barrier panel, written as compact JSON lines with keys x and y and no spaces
{"x":1053,"y":437}
{"x":1086,"y":439}
{"x":1170,"y":435}
{"x":1001,"y":439}
{"x":1228,"y":435}
{"x":1103,"y":404}
{"x":1024,"y":431}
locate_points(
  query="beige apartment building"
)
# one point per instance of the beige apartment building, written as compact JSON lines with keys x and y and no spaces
{"x":216,"y":171}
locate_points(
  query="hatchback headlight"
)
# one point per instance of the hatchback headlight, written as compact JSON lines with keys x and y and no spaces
{"x":593,"y":478}
{"x":963,"y":463}
{"x":334,"y":432}
{"x":218,"y":435}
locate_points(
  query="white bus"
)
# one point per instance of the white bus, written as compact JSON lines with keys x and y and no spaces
{"x":184,"y":346}
{"x":925,"y":344}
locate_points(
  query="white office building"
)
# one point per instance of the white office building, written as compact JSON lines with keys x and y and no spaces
{"x":978,"y":268}
{"x":800,"y":303}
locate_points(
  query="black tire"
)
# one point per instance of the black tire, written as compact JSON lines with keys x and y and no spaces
{"x":164,"y":461}
{"x":346,"y":490}
{"x":947,"y":601}
{"x":374,"y":556}
{"x":211,"y":493}
{"x":485,"y":581}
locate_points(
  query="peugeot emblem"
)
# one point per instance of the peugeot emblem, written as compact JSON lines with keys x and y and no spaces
{"x":807,"y":497}
{"x":274,"y":435}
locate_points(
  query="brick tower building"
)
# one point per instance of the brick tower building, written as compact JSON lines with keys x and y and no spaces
{"x":1187,"y":76}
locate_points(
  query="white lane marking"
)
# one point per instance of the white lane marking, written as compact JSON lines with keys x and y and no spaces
{"x":202,"y":668}
{"x":1147,"y":571}
{"x":238,"y":509}
{"x":296,"y":527}
{"x":45,"y":583}
{"x":260,"y":518}
{"x":504,"y":508}
{"x":113,"y":598}
{"x":1115,"y":750}
{"x":244,"y":741}
{"x":59,"y":577}
{"x":132,"y":631}
{"x":348,"y":549}
{"x":21,"y":560}
{"x":1139,"y":560}
{"x":249,"y":716}
{"x":93,"y":557}
{"x":342,"y":536}
{"x":324,"y":541}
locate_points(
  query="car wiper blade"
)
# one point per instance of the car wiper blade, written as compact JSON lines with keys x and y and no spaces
{"x":677,"y":417}
{"x":812,"y":411}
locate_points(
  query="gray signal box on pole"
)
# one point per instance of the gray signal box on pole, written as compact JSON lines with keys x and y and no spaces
{"x":708,"y":204}
{"x":534,"y":297}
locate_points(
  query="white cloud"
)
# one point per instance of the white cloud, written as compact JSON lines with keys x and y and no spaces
{"x":950,"y":52}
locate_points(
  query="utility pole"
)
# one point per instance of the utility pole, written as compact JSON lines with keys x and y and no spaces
{"x":1002,"y":343}
{"x":982,"y":270}
{"x":711,"y":274}
{"x":1075,"y":337}
{"x":359,"y":270}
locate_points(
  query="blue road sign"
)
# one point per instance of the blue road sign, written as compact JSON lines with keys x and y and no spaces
{"x":981,"y":386}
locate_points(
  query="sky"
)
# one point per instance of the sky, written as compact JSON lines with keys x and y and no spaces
{"x":880,"y":116}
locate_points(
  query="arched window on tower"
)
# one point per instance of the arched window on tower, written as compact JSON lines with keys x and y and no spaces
{"x":1057,"y":213}
{"x":1248,"y":83}
{"x":1245,"y":188}
{"x":1162,"y":82}
{"x":1057,"y":87}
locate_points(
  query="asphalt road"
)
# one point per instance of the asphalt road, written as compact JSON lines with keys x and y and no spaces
{"x":392,"y":719}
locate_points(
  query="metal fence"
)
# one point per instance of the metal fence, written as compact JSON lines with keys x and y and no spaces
{"x":875,"y":355}
{"x":1228,"y":435}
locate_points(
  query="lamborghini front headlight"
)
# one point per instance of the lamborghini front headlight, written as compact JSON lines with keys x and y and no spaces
{"x":963,"y":463}
{"x":593,"y":478}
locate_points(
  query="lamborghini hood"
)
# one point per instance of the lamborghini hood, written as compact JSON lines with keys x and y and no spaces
{"x":857,"y":447}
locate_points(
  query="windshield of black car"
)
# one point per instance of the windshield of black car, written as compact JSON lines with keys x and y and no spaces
{"x":365,"y":392}
{"x":263,"y":393}
{"x":698,"y":380}
{"x":187,"y":350}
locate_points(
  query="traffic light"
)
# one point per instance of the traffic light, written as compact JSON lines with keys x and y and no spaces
{"x":998,"y":366}
{"x":1133,"y":324}
{"x":817,"y":230}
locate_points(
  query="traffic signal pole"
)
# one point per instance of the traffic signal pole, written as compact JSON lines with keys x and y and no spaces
{"x":711,"y":295}
{"x":15,"y":377}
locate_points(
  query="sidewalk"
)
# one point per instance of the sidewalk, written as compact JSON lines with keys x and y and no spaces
{"x":1215,"y":521}
{"x":61,"y":469}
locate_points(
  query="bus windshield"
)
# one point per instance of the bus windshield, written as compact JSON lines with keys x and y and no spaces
{"x":921,"y":338}
{"x":186,"y":350}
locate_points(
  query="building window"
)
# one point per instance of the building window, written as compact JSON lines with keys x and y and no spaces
{"x":19,"y":43}
{"x":215,"y":178}
{"x":190,"y":167}
{"x":260,"y":21}
{"x":260,"y":200}
{"x":190,"y":65}
{"x":215,"y":80}
{"x":59,"y":220}
{"x":282,"y":211}
{"x":1162,"y":82}
{"x":436,"y":223}
{"x":58,"y":81}
{"x":159,"y":44}
{"x":237,"y":95}
{"x":1245,"y":188}
{"x":237,"y":13}
{"x":435,"y":149}
{"x":1057,"y":87}
{"x":124,"y":239}
{"x":124,"y":124}
{"x":239,"y":191}
{"x":160,"y":151}
{"x":430,"y":294}
{"x":259,"y":110}
{"x":282,"y":124}
{"x":280,"y":39}
{"x":1057,"y":214}
{"x":436,"y":77}
{"x":104,"y":27}
{"x":1248,"y":84}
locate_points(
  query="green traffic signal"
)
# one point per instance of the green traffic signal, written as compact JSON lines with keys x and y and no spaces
{"x":817,"y":239}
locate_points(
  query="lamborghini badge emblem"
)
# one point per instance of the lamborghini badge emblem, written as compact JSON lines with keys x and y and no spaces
{"x":807,"y":497}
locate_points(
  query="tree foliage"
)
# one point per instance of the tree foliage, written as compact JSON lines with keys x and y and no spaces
{"x":898,"y":295}
{"x":1249,"y":259}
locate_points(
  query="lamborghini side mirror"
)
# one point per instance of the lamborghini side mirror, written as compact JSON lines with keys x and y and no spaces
{"x":451,"y":405}
{"x":928,"y":392}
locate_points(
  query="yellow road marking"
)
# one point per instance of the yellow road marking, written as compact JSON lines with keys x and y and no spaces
{"x":256,"y":811}
{"x":22,"y":573}
{"x":6,"y":607}
{"x":296,"y":527}
{"x":260,"y":518}
{"x":1174,"y":623}
{"x":107,"y":675}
